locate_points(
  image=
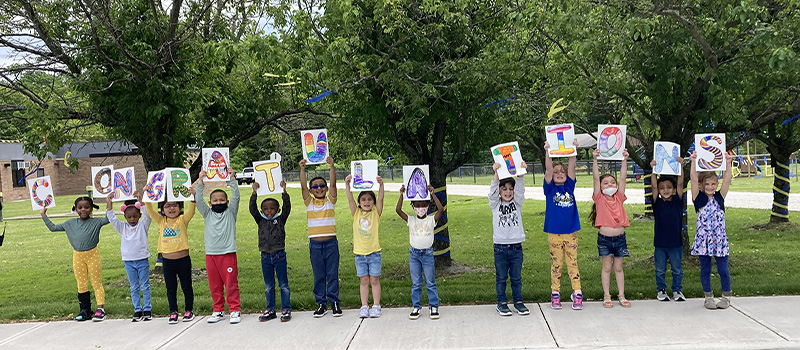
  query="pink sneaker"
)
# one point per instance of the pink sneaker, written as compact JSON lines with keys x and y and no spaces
{"x":555,"y":301}
{"x":577,"y":301}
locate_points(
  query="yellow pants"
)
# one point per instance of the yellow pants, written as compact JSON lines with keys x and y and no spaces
{"x":86,"y":264}
{"x":560,"y":246}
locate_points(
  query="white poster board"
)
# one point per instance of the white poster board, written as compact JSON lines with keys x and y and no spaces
{"x":157,"y":180}
{"x":561,"y":138}
{"x":611,"y":141}
{"x":315,"y":145}
{"x":510,"y":159}
{"x":178,"y":184}
{"x":416,"y":179}
{"x":124,"y":184}
{"x":41,"y":191}
{"x":710,"y":152}
{"x":268,"y":174}
{"x":216,"y":163}
{"x":365,"y":175}
{"x":664,"y":154}
{"x":102,"y":181}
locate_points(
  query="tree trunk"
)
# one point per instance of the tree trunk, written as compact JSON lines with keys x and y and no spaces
{"x":441,"y":242}
{"x":780,"y":186}
{"x":648,"y":194}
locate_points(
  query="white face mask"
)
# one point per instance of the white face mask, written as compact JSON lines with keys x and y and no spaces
{"x":421,"y":211}
{"x":610,"y":191}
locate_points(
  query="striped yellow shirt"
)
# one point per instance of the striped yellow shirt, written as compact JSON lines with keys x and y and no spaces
{"x":321,"y":217}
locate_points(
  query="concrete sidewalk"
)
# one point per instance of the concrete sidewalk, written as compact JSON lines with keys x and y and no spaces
{"x":751,"y":323}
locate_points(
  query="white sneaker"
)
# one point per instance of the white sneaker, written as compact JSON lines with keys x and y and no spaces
{"x":434,"y":313}
{"x":364,"y":312}
{"x":236,"y":317}
{"x":662,"y":295}
{"x":375,"y":312}
{"x":414,"y":314}
{"x":678,"y":296}
{"x":216,"y":316}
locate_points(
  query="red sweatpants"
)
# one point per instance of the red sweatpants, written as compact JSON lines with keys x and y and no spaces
{"x":223,"y":271}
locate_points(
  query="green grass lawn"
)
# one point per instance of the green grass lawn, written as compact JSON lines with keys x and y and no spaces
{"x":38,"y":284}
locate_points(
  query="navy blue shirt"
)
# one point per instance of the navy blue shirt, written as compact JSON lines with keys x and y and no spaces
{"x":561,"y":211}
{"x":668,"y":216}
{"x":702,"y":199}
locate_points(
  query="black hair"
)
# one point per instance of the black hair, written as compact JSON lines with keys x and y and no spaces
{"x":161,"y":206}
{"x":667,"y":178}
{"x":277,"y":204}
{"x":509,"y":180}
{"x":130,"y":203}
{"x":317,"y":178}
{"x":84,"y":199}
{"x":218,"y":191}
{"x":367,"y":193}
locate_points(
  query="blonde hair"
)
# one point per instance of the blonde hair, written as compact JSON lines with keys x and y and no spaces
{"x":702,"y":177}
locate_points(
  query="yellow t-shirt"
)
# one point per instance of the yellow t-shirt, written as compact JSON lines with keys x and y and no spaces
{"x":172,"y":236}
{"x":365,"y":231}
{"x":321,"y":216}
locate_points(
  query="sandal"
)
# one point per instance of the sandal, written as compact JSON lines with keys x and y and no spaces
{"x":607,"y":302}
{"x":624,"y":302}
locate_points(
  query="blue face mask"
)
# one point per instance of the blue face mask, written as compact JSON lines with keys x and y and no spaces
{"x":265,"y":217}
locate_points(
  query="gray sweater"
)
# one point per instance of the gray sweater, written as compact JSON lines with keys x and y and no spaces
{"x":507,"y":216}
{"x":82,"y":234}
{"x":220,"y":228}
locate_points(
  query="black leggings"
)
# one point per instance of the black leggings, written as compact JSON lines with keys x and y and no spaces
{"x":173,"y":270}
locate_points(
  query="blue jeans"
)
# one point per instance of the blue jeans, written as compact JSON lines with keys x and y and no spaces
{"x":722,"y":270}
{"x":274,"y":264}
{"x":325,"y":265}
{"x":616,"y":246}
{"x":421,"y":261}
{"x":139,"y":279}
{"x":675,"y":256}
{"x":368,"y":265}
{"x":508,"y":262}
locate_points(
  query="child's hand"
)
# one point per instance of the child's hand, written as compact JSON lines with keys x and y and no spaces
{"x":693,"y":157}
{"x":201,"y":177}
{"x":192,"y":190}
{"x":595,"y":153}
{"x":147,"y":188}
{"x":283,"y":184}
{"x":575,"y":142}
{"x":329,"y":160}
{"x":546,"y":146}
{"x":43,"y":212}
{"x":402,"y":188}
{"x":653,"y":163}
{"x":728,"y":157}
{"x":431,"y":189}
{"x":347,"y":180}
{"x":625,"y":154}
{"x":303,"y":163}
{"x":679,"y":159}
{"x":137,"y":195}
{"x":496,"y":166}
{"x":255,"y":186}
{"x":108,"y":199}
{"x":524,"y":165}
{"x":379,"y":180}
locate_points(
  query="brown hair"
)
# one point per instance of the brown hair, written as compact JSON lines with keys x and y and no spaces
{"x":593,"y":214}
{"x":561,"y":164}
{"x":702,"y":177}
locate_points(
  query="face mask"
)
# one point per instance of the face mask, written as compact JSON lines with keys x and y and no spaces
{"x":273,"y":218}
{"x":421,"y":211}
{"x":218,"y":208}
{"x":610,"y":191}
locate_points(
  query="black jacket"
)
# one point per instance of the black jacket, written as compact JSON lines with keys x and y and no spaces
{"x":271,"y":233}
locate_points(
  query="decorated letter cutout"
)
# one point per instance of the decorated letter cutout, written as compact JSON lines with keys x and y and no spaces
{"x":710,"y":152}
{"x":611,"y":141}
{"x":102,"y":181}
{"x":157,"y":180}
{"x":665,"y":154}
{"x":365,"y":174}
{"x":560,"y":138}
{"x":41,"y":193}
{"x":315,"y":145}
{"x":179,"y":184}
{"x":215,"y":163}
{"x":416,"y":179}
{"x":509,"y":156}
{"x":124,"y":184}
{"x":268,"y":175}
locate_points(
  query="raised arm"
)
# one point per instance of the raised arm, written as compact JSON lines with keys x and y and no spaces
{"x":572,"y":161}
{"x":693,"y":175}
{"x":253,"y":206}
{"x":494,"y":188}
{"x":235,"y":195}
{"x":399,"y":208}
{"x":595,"y":172}
{"x":548,"y":164}
{"x":379,"y":205}
{"x":679,"y":185}
{"x":287,"y":202}
{"x":199,"y":189}
{"x":50,"y":225}
{"x":439,"y":206}
{"x":519,"y":187}
{"x":118,"y":225}
{"x":303,"y":180}
{"x":332,"y":190}
{"x":349,"y":195}
{"x":727,"y":176}
{"x":623,"y":172}
{"x":653,"y":181}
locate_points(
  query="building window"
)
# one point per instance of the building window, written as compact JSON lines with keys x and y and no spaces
{"x":18,"y":172}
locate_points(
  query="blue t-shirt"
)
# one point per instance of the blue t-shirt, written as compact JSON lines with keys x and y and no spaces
{"x":702,"y":199}
{"x":561,"y":211}
{"x":668,"y":216}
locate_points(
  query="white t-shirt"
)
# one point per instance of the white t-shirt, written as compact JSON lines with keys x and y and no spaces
{"x":420,"y":231}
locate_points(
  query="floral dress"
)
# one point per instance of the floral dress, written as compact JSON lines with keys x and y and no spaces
{"x":711,"y":239}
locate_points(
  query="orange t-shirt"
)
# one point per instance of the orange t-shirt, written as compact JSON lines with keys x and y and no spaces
{"x":610,"y":211}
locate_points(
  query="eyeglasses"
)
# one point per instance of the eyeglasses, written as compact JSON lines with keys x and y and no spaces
{"x":318,"y":186}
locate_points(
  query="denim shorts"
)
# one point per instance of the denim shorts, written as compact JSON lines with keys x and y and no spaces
{"x":615,"y":246}
{"x":369,"y":264}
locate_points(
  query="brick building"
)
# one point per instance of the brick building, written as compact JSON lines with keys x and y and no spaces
{"x":15,"y":164}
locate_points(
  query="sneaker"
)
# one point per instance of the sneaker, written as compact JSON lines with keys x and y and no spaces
{"x":100,"y":315}
{"x":188,"y":316}
{"x":147,"y":315}
{"x":678,"y":296}
{"x":137,"y":316}
{"x":555,"y":301}
{"x":321,"y":310}
{"x":337,"y":310}
{"x":364,"y":312}
{"x":216,"y":316}
{"x":434,"y":313}
{"x":375,"y":312}
{"x":267,"y":315}
{"x":521,"y":309}
{"x":414,"y":314}
{"x":236,"y":317}
{"x":286,"y":315}
{"x":503,"y":310}
{"x":173,"y":318}
{"x":662,"y":295}
{"x":84,"y":315}
{"x":577,"y":301}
